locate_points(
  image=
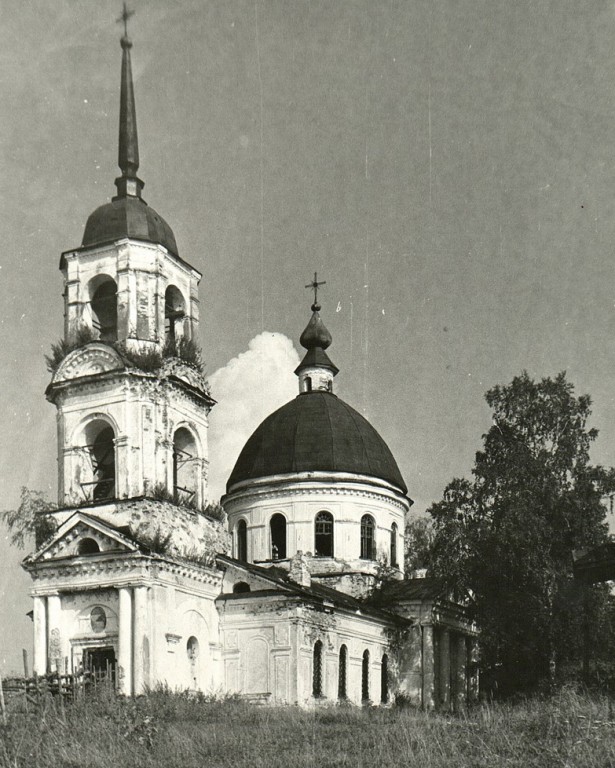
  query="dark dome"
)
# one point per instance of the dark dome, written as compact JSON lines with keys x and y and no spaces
{"x":128,"y":217}
{"x":316,"y":432}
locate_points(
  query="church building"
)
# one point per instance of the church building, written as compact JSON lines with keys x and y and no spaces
{"x":292,"y":592}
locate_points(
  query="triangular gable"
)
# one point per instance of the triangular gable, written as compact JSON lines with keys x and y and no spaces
{"x":79,"y":526}
{"x":258,"y":579}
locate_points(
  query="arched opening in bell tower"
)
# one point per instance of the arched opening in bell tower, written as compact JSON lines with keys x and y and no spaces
{"x":174,"y":314}
{"x":103,"y":306}
{"x":100,"y":445}
{"x":185,"y":467}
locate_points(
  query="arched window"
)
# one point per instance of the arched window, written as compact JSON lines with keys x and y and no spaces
{"x":384,"y":679}
{"x":368,"y":548}
{"x":174,"y":314}
{"x":192,"y":648}
{"x":394,"y":563}
{"x":242,"y":541}
{"x":323,"y":534}
{"x":88,"y":547}
{"x":103,"y":303}
{"x":365,"y":677}
{"x":185,"y":467}
{"x":100,"y":445}
{"x":240,"y":588}
{"x":277,"y":526}
{"x":317,"y":670}
{"x":342,"y":689}
{"x":308,"y":383}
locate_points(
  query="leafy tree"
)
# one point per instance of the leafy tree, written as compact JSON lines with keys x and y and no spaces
{"x":419,"y":536}
{"x":29,"y":522}
{"x":506,"y":537}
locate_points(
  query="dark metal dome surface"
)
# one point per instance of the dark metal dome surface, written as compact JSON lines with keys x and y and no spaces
{"x":128,"y":217}
{"x":316,"y":432}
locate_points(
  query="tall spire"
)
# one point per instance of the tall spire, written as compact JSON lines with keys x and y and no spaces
{"x":128,"y":184}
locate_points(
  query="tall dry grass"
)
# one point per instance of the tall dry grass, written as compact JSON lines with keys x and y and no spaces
{"x":167,"y":730}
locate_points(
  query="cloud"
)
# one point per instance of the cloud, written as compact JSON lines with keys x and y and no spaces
{"x":248,"y":388}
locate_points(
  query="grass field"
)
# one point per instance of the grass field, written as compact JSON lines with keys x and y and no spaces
{"x":168,"y":730}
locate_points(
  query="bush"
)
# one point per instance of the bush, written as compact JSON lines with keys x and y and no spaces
{"x":145,"y":358}
{"x":185,"y":349}
{"x":62,"y":348}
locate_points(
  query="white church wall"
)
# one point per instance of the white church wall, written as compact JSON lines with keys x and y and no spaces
{"x":348,"y":500}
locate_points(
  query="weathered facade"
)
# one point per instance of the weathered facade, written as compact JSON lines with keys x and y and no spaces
{"x":297,"y":593}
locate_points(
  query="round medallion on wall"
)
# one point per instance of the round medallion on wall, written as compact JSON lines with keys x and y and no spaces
{"x":98,"y":619}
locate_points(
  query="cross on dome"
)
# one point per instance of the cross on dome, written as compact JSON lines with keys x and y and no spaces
{"x":125,"y":15}
{"x":314,"y":286}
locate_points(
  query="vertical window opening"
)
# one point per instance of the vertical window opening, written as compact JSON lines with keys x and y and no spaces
{"x":278,"y":537}
{"x":317,"y":670}
{"x":308,"y":383}
{"x":342,"y":692}
{"x":394,"y":562}
{"x":368,"y":549}
{"x":323,"y":534}
{"x":100,"y":446}
{"x":365,"y":677}
{"x":242,"y":541}
{"x":174,"y":314}
{"x":384,"y":680}
{"x":185,"y":467}
{"x":103,"y":304}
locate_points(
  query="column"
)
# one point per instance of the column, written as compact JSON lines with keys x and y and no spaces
{"x":123,"y":468}
{"x":125,"y":642}
{"x":473,"y":681}
{"x":40,"y":635}
{"x":54,"y":642}
{"x":461,"y":683}
{"x":140,"y":663}
{"x":428,"y":668}
{"x":445,"y":669}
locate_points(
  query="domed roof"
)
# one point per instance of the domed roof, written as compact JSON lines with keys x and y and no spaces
{"x":128,"y":217}
{"x":316,"y":432}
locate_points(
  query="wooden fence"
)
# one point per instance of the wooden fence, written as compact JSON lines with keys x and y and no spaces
{"x":29,"y":690}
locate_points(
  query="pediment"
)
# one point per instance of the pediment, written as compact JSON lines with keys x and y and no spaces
{"x":83,"y":536}
{"x":88,"y":360}
{"x":257,"y":579}
{"x":175,"y":367}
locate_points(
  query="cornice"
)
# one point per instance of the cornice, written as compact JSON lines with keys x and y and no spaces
{"x":310,"y":485}
{"x":135,"y":565}
{"x":131,"y":380}
{"x":113,"y":247}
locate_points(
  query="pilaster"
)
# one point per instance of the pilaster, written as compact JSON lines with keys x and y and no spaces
{"x":125,"y":641}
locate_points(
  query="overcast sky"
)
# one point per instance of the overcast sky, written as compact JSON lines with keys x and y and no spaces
{"x":446,"y":165}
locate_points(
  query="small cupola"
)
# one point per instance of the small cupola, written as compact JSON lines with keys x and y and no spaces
{"x":316,"y":371}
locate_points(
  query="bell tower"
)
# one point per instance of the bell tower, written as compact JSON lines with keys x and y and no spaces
{"x":132,"y":402}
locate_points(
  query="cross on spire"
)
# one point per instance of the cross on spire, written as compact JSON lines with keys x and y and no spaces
{"x":126,"y":14}
{"x":314,"y":286}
